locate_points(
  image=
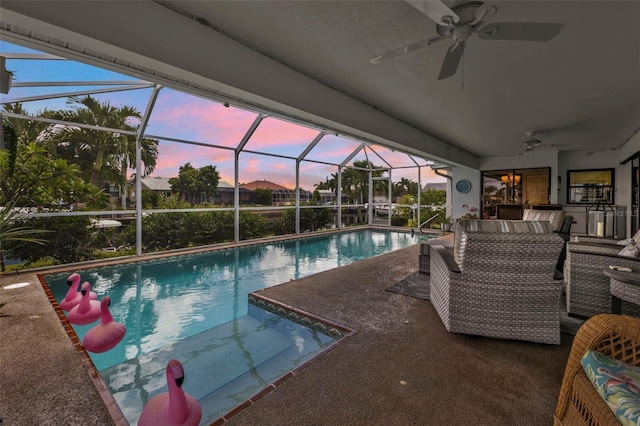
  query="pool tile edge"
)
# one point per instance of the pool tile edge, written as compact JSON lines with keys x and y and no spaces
{"x":330,"y":328}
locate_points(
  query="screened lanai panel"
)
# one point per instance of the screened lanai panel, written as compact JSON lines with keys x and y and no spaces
{"x":392,"y":157}
{"x":267,"y":172}
{"x":33,"y":104}
{"x":362,"y":158}
{"x":422,"y":161}
{"x":54,"y":73}
{"x":187,"y":117}
{"x":318,"y":176}
{"x":193,"y":166}
{"x":200,"y":137}
{"x":271,"y":180}
{"x":279,"y":137}
{"x":332,"y":149}
{"x":103,"y":107}
{"x":137,"y":99}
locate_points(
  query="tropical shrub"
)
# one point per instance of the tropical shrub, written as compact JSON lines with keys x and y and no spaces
{"x":399,"y":221}
{"x":310,"y":220}
{"x":69,"y":239}
{"x":166,"y":231}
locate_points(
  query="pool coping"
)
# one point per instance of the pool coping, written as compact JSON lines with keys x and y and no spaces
{"x":338,"y":331}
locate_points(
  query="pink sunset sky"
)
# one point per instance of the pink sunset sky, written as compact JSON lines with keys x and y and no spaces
{"x":186,"y":117}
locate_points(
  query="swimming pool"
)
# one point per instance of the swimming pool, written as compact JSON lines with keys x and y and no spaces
{"x":195,"y":308}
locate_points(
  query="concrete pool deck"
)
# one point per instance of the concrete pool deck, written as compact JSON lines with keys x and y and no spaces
{"x":401,"y":367}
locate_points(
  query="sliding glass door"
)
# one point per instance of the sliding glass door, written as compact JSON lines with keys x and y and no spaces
{"x":505,"y":193}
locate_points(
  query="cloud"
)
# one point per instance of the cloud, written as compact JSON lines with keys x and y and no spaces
{"x":273,"y":132}
{"x":191,"y":118}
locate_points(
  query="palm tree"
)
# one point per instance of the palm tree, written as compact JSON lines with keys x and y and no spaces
{"x":27,"y":130}
{"x":103,"y":156}
{"x":148,"y":156}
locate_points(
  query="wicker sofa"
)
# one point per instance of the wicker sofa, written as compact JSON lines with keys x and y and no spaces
{"x":555,"y":217}
{"x":616,"y":336}
{"x":498,"y":281}
{"x":588,"y":291}
{"x":560,"y":223}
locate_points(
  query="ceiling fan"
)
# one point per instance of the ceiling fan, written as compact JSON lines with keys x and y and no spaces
{"x":461,"y":21}
{"x":531,"y":142}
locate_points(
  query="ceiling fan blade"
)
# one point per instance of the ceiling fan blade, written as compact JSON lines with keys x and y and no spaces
{"x":478,"y":27}
{"x":406,"y":49}
{"x":451,"y":60}
{"x":527,"y":31}
{"x":483,"y":13}
{"x":434,"y":9}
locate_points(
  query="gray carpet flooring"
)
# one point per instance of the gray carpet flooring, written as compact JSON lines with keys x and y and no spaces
{"x":415,"y":285}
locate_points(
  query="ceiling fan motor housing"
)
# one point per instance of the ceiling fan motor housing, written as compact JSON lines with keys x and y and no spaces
{"x":466,"y":11}
{"x":461,"y":31}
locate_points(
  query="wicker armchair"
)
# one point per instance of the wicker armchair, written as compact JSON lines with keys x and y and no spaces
{"x":616,"y":336}
{"x":588,"y":290}
{"x":501,"y":285}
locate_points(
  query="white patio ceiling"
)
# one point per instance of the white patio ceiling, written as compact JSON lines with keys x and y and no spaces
{"x":310,"y":60}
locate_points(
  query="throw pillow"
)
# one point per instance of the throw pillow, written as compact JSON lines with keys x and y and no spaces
{"x":630,"y":251}
{"x":626,"y":242}
{"x":617,"y":383}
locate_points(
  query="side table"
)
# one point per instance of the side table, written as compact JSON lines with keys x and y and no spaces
{"x":424,"y":258}
{"x":623,"y":286}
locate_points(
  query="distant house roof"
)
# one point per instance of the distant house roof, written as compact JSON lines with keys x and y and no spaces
{"x":263,"y":184}
{"x":440,"y":186}
{"x":224,"y":186}
{"x":156,"y":183}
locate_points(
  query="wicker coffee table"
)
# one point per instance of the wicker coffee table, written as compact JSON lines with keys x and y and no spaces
{"x":623,"y":286}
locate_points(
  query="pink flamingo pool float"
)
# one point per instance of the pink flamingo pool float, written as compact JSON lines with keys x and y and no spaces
{"x":73,"y":296}
{"x":87,"y":311}
{"x":172,"y":408}
{"x":107,"y":334}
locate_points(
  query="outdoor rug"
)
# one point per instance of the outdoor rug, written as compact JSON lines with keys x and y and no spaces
{"x":415,"y":285}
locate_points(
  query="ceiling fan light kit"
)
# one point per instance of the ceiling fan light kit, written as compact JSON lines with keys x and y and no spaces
{"x":460,"y":22}
{"x":531,"y":142}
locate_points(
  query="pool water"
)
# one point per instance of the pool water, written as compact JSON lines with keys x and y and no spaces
{"x":195,"y":308}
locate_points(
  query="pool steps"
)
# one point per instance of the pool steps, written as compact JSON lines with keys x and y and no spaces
{"x":267,"y":345}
